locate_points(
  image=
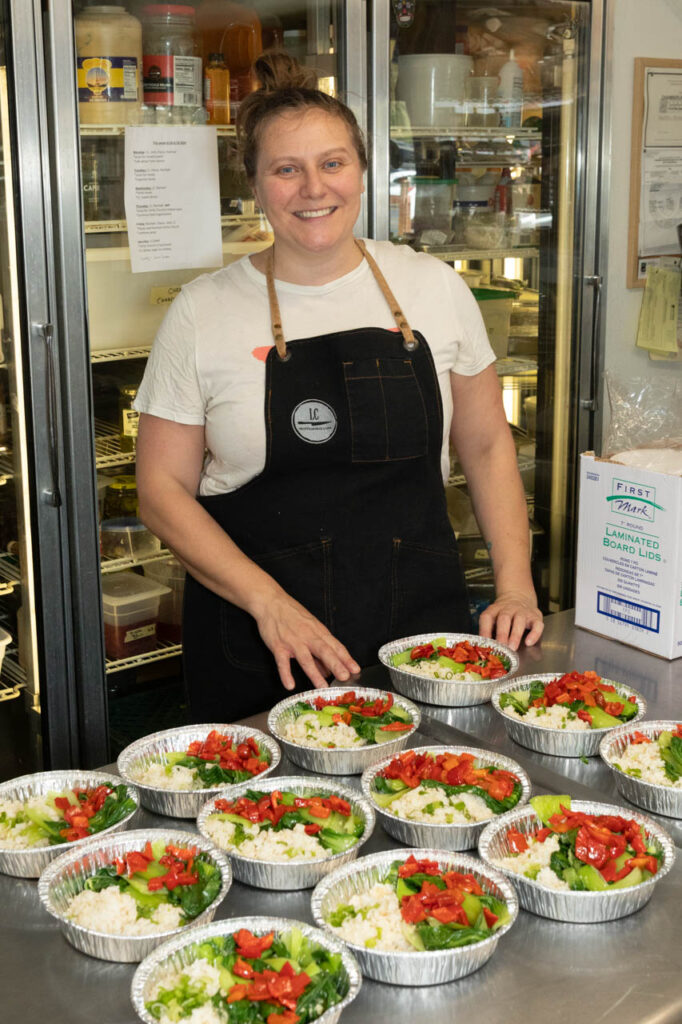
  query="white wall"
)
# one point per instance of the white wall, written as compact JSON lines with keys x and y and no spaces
{"x":641,"y":28}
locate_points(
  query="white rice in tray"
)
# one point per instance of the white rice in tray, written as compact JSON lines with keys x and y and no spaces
{"x":435,"y":806}
{"x":159,"y":775}
{"x":290,"y":844}
{"x":556,"y":717}
{"x":379,"y":925}
{"x":307,"y":729}
{"x":645,"y":760}
{"x":201,"y":975}
{"x":537,"y":856}
{"x":13,"y":837}
{"x":113,"y":912}
{"x":436,"y":671}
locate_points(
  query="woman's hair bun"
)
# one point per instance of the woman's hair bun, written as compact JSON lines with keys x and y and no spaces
{"x":276,"y":70}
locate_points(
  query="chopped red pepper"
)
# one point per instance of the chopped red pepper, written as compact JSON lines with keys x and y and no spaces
{"x":251,"y":946}
{"x":396,"y":727}
{"x":311,"y":829}
{"x":516,"y":840}
{"x":490,"y":918}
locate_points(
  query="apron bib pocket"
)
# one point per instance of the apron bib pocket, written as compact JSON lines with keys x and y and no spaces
{"x":386,"y":408}
{"x":305,"y":573}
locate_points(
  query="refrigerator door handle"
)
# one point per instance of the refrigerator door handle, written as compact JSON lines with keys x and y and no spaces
{"x":51,"y":495}
{"x":594,"y":281}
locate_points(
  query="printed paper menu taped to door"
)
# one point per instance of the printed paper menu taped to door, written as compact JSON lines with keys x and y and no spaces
{"x":172,"y":198}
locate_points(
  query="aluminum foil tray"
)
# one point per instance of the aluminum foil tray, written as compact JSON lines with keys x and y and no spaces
{"x":66,"y":876}
{"x":442,"y":837}
{"x":339,"y":760}
{"x":176,"y":953}
{"x":652,"y":796}
{"x":30,"y":863}
{"x":430,"y":967}
{"x":560,"y":742}
{"x":447,"y":693}
{"x":564,"y":905}
{"x":183,"y":803}
{"x":291,"y":874}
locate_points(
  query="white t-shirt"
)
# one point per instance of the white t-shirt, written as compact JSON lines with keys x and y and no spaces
{"x":207,"y":364}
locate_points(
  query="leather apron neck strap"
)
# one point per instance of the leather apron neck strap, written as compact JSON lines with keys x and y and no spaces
{"x":409,"y":340}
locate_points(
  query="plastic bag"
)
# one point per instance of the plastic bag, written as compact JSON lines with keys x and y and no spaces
{"x":645,"y":412}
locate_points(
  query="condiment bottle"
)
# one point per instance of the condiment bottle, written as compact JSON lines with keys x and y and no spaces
{"x":234,"y":30}
{"x":128,"y":419}
{"x":109,"y":65}
{"x":120,"y":497}
{"x":217,"y":90}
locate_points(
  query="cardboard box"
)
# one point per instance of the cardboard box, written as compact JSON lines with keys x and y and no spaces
{"x":629,"y":578}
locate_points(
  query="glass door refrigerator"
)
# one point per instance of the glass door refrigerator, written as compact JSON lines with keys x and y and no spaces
{"x":90,"y":600}
{"x":486,"y":156}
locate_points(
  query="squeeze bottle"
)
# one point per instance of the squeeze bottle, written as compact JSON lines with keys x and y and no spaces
{"x":510,"y":93}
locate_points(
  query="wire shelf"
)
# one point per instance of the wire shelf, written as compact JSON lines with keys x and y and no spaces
{"x":462,"y":132}
{"x":108,"y":446}
{"x":10,"y":576}
{"x":108,"y":130}
{"x":164,"y":650}
{"x":6,"y":469}
{"x":13,"y":680}
{"x":109,"y":355}
{"x":108,"y":565}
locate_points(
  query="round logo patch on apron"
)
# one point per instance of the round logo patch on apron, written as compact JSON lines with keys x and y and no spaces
{"x":314,"y":421}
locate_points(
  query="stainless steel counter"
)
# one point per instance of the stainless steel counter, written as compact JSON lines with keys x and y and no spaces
{"x":626,"y":972}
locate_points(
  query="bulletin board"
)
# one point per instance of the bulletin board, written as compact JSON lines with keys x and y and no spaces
{"x":655,"y":216}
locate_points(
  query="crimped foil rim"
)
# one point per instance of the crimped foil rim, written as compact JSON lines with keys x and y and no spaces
{"x":41,"y":783}
{"x":654,"y":831}
{"x":366,"y":692}
{"x":481,"y":689}
{"x":446,"y":859}
{"x":138,"y":748}
{"x":649,"y":728}
{"x":132,"y":839}
{"x":292,"y":783}
{"x":487,"y":756}
{"x":524,"y":683}
{"x":256,"y":923}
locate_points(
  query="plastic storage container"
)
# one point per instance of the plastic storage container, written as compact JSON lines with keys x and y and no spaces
{"x":131,"y":609}
{"x":496,"y":307}
{"x":127,"y":538}
{"x":171,"y":574}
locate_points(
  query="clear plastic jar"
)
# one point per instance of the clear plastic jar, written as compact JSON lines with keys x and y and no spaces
{"x":171,"y":62}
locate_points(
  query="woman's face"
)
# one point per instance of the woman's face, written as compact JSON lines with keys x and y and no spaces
{"x":309,"y":181}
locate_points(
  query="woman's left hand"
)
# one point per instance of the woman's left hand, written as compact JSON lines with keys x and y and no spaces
{"x":508,"y":618}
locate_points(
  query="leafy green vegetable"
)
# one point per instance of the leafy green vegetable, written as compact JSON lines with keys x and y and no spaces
{"x":449,"y":936}
{"x":194,"y":899}
{"x":497,"y":806}
{"x":672,"y":757}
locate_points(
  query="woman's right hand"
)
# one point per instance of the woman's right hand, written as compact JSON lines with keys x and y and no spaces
{"x":290,"y":631}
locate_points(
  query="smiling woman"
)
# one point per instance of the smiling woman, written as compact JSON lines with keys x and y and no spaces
{"x":316,"y":529}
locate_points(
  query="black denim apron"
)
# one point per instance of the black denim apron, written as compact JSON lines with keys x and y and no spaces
{"x":348,"y":515}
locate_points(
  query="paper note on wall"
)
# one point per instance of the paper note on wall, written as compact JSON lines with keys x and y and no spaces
{"x":657,"y":327}
{"x":172,"y":197}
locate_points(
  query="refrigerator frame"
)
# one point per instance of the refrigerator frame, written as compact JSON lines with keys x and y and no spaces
{"x":56,"y":382}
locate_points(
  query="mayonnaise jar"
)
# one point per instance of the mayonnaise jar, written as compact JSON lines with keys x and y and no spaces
{"x":109,"y":65}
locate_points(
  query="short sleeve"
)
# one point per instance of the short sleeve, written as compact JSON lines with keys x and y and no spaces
{"x":170,"y":387}
{"x":473,"y":350}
